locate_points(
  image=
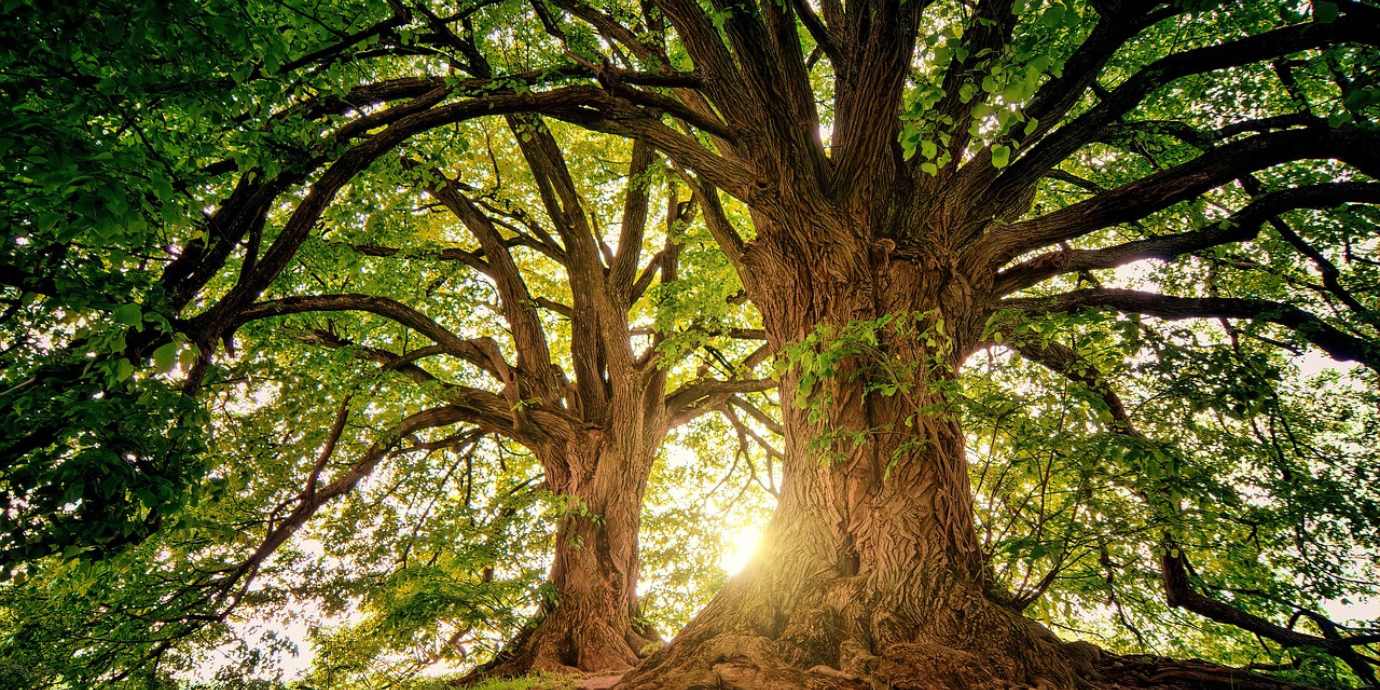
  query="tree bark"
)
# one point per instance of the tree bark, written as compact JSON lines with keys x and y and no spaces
{"x":870,"y":574}
{"x":590,"y":623}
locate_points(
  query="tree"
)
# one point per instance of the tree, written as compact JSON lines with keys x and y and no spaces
{"x":596,"y":430}
{"x":596,"y":436}
{"x":937,"y":219}
{"x":883,"y":274}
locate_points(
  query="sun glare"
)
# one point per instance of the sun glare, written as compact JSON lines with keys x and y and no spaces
{"x":739,"y":546}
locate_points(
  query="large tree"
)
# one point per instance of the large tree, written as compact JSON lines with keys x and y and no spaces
{"x":595,"y":430}
{"x":905,"y":168}
{"x":873,"y":571}
{"x":577,"y":370}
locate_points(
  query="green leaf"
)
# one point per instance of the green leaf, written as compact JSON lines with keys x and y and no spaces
{"x":130,"y":315}
{"x":187,"y":358}
{"x":1001,"y":156}
{"x":165,"y":357}
{"x":1053,"y":17}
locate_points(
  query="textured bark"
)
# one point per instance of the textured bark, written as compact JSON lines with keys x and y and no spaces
{"x":590,"y":625}
{"x":870,"y":574}
{"x":870,"y":571}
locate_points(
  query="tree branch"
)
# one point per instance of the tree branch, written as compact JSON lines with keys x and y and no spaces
{"x":1061,"y":143}
{"x":1339,"y":345}
{"x":489,"y":411}
{"x":1242,"y":226}
{"x":634,"y":223}
{"x":519,"y":309}
{"x":698,"y":397}
{"x":481,"y":352}
{"x":1180,"y":183}
{"x":1179,"y":592}
{"x":823,"y":37}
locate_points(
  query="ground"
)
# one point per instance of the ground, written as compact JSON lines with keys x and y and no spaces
{"x":592,"y":681}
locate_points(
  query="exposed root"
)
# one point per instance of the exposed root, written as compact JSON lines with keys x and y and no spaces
{"x":843,"y":643}
{"x":1146,"y":671}
{"x":759,"y":663}
{"x":846,"y":641}
{"x":566,"y":645}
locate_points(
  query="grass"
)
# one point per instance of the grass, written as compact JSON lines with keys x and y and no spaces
{"x":541,"y":681}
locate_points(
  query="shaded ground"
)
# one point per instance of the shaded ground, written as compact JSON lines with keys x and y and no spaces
{"x":592,"y":681}
{"x":1133,"y":672}
{"x":598,"y":682}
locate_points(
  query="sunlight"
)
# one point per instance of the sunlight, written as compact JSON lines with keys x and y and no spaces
{"x":739,"y":546}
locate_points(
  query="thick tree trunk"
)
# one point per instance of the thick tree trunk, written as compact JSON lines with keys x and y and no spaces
{"x":590,"y":623}
{"x":870,"y":574}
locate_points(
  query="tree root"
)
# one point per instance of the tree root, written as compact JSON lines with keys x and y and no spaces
{"x":844,"y":640}
{"x":566,"y":646}
{"x":758,"y":663}
{"x":968,"y":643}
{"x":1147,"y":671}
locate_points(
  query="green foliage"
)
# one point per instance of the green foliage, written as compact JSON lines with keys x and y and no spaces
{"x":905,"y":355}
{"x":142,"y":466}
{"x":994,"y":84}
{"x":535,"y":682}
{"x":1232,"y":454}
{"x":105,"y":140}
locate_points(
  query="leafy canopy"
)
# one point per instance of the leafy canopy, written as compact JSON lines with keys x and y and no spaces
{"x":168,"y":166}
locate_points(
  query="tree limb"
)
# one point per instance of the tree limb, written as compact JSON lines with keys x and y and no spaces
{"x":1062,"y":142}
{"x":1180,"y":183}
{"x":481,"y":352}
{"x":1339,"y":345}
{"x":1241,"y":226}
{"x":698,"y":397}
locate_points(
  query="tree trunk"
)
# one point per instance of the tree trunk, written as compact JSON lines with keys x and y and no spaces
{"x":590,"y":622}
{"x":870,"y":574}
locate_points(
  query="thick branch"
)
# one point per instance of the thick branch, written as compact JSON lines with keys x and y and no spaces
{"x":1339,"y":345}
{"x":1180,"y":183}
{"x":634,"y":223}
{"x":1180,"y":594}
{"x":481,"y":352}
{"x":519,"y":309}
{"x":1242,"y":226}
{"x":728,"y":239}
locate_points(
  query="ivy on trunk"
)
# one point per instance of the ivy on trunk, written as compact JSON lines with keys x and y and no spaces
{"x":897,"y":184}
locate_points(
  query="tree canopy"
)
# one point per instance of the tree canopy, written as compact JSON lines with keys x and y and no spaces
{"x":459,"y":332}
